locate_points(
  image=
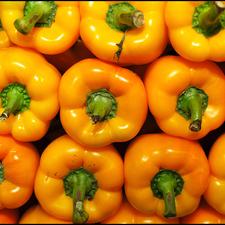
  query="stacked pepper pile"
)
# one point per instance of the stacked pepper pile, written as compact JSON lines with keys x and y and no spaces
{"x":122,"y":125}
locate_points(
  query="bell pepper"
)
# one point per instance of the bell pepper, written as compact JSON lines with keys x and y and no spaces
{"x":36,"y":215}
{"x":4,"y":39}
{"x":165,"y":175}
{"x":50,"y":27}
{"x":125,"y":32}
{"x":196,"y":29}
{"x":18,"y":165}
{"x":9,"y":216}
{"x":101,"y":103}
{"x":204,"y":215}
{"x":186,"y":98}
{"x":215,"y":193}
{"x":129,"y":215}
{"x":77,"y":183}
{"x":28,"y":93}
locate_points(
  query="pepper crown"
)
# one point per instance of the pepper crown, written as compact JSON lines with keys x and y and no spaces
{"x":191,"y":104}
{"x":80,"y":185}
{"x":14,"y":99}
{"x":101,"y":105}
{"x":167,"y":184}
{"x":36,"y":14}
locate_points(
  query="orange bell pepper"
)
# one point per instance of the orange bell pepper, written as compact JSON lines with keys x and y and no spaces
{"x":204,"y":215}
{"x":28,"y":93}
{"x":186,"y":98}
{"x":165,"y":175}
{"x":18,"y":165}
{"x":77,"y":183}
{"x":129,"y":215}
{"x":196,"y":29}
{"x":50,"y":27}
{"x":126,"y":32}
{"x":4,"y":39}
{"x":215,"y":193}
{"x":101,"y":103}
{"x":36,"y":215}
{"x":9,"y":216}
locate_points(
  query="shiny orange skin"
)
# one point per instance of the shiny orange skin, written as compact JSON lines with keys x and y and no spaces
{"x":128,"y":89}
{"x":152,"y":152}
{"x":141,"y":45}
{"x":215,"y":193}
{"x":41,"y":80}
{"x":20,"y":162}
{"x":186,"y":40}
{"x":9,"y":216}
{"x":56,"y":39}
{"x":204,"y":214}
{"x":64,"y":155}
{"x":36,"y":215}
{"x":4,"y":39}
{"x":168,"y":77}
{"x":129,"y":215}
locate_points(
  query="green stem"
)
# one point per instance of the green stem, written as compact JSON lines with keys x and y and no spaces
{"x":101,"y":105}
{"x":191,"y":104}
{"x":36,"y":13}
{"x":167,"y":184}
{"x":133,"y":19}
{"x":208,"y":18}
{"x":80,"y":185}
{"x":15,"y":99}
{"x":26,"y":24}
{"x":1,"y":172}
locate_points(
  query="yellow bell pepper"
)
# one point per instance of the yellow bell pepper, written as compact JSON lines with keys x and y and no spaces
{"x":50,"y":27}
{"x":79,"y":184}
{"x":129,"y":32}
{"x":196,"y":29}
{"x":28,"y":94}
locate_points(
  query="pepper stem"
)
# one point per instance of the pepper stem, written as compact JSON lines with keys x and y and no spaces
{"x":15,"y":99}
{"x":1,"y":172}
{"x":133,"y":19}
{"x":101,"y":105}
{"x":80,"y":185}
{"x":208,"y":18}
{"x":167,"y":184}
{"x":39,"y":13}
{"x":191,"y":104}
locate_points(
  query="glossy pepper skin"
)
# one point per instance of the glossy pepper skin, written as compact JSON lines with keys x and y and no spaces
{"x":18,"y":166}
{"x":102,"y":166}
{"x":129,"y":215}
{"x":188,"y":41}
{"x":101,"y":103}
{"x":214,"y":194}
{"x":29,"y":94}
{"x":9,"y":216}
{"x":204,"y":214}
{"x":54,"y":38}
{"x":141,"y":44}
{"x":186,"y":98}
{"x":36,"y":215}
{"x":165,"y":175}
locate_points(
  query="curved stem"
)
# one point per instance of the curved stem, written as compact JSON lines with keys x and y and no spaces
{"x":80,"y":185}
{"x":26,"y":24}
{"x":14,"y":103}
